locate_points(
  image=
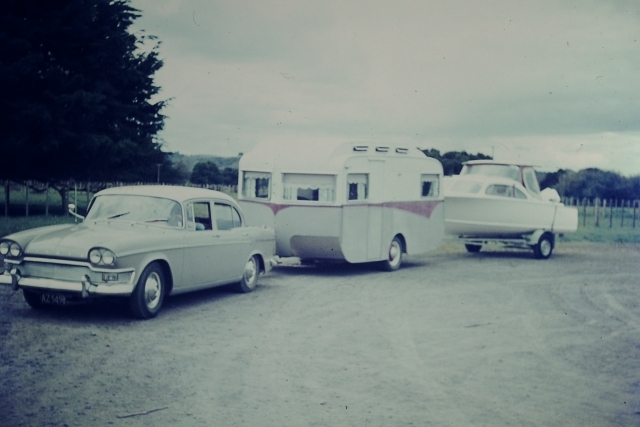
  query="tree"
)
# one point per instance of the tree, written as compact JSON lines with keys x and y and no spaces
{"x":230,"y":176}
{"x":452,"y":161}
{"x":76,"y":92}
{"x":205,"y":173}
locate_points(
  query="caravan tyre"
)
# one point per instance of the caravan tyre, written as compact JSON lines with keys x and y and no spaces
{"x":394,"y":255}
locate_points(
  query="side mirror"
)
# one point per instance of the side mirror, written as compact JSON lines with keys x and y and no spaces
{"x":72,"y":211}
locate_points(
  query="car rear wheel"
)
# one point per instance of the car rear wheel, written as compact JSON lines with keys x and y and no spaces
{"x":394,"y":256}
{"x":249,"y":280}
{"x":544,"y":248}
{"x":473,"y":248}
{"x":147,"y":297}
{"x":34,"y":299}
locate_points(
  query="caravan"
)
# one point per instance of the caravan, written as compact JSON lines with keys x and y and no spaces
{"x":355,"y":202}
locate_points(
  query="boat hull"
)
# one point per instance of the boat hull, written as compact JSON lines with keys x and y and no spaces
{"x":483,"y":216}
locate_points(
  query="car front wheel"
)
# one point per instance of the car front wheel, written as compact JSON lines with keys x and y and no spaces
{"x":34,"y":299}
{"x":249,"y":280}
{"x":147,"y":297}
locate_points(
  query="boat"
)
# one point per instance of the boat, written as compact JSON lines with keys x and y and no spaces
{"x":491,"y":201}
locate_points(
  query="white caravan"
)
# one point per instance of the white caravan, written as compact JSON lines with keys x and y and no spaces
{"x":358,"y":202}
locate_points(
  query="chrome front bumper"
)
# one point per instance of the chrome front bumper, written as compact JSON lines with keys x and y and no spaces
{"x":83,"y":286}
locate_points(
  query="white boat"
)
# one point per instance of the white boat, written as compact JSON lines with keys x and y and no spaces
{"x":495,"y":201}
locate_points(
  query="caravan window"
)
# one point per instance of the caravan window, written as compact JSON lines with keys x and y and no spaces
{"x":256,"y":185}
{"x":430,"y":187}
{"x":310,"y":187}
{"x":357,"y":186}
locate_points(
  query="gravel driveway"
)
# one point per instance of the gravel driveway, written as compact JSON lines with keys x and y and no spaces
{"x":452,"y":339}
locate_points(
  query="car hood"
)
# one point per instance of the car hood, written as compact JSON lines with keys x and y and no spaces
{"x":76,"y":241}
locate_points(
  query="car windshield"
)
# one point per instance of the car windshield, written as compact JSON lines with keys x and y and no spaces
{"x":136,"y":209}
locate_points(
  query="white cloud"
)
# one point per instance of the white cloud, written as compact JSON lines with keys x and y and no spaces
{"x":538,"y":77}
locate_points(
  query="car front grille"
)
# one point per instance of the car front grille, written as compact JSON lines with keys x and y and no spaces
{"x":70,"y":273}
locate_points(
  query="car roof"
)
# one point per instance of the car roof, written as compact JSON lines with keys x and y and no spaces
{"x":174,"y":192}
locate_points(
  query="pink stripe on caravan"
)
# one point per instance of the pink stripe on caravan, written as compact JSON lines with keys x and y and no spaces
{"x":421,"y":207}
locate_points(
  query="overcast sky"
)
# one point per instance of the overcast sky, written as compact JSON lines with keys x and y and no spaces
{"x":554,"y":83}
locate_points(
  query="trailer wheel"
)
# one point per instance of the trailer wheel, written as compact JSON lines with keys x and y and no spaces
{"x":394,"y":257}
{"x":544,"y":248}
{"x":473,"y":248}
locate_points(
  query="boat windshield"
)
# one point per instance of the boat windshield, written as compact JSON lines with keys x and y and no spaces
{"x":466,"y":187}
{"x":506,"y":171}
{"x":136,"y":208}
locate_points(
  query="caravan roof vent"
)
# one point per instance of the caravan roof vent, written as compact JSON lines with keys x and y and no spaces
{"x":360,"y":147}
{"x":382,"y":149}
{"x":402,"y":150}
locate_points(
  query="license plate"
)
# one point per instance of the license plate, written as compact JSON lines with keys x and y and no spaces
{"x":53,"y":299}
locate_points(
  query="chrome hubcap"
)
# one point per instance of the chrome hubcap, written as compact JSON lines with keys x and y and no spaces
{"x":250,"y":272}
{"x":394,"y":253}
{"x":545,"y":247}
{"x":152,"y":290}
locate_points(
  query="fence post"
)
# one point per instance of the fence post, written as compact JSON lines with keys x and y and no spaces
{"x":611,"y":213}
{"x":7,"y":197}
{"x":635,"y":208}
{"x":26,"y":198}
{"x":596,"y":211}
{"x":622,"y":214}
{"x":584,"y":211}
{"x":46,"y":200}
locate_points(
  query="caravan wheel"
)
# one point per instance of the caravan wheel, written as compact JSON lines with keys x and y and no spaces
{"x":394,"y":257}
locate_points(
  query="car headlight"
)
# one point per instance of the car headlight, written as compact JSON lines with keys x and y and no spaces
{"x":15,"y":249}
{"x":102,"y":256}
{"x":9,"y":248}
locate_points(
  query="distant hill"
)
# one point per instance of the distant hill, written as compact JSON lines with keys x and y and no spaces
{"x":190,"y":161}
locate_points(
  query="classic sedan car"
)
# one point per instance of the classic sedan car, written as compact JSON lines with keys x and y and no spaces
{"x":142,"y":243}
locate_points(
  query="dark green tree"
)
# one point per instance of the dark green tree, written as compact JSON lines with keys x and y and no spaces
{"x":77,"y":91}
{"x":452,"y":161}
{"x":205,"y":173}
{"x":229,"y":176}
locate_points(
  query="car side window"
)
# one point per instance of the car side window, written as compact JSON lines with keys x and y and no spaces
{"x":224,"y":216}
{"x":202,"y":216}
{"x":237,"y":222}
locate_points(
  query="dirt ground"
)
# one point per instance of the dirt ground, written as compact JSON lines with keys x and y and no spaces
{"x":452,"y":339}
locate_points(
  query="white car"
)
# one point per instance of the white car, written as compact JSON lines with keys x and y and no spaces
{"x":142,"y":243}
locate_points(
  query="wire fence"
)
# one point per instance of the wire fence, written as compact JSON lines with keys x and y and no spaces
{"x":25,"y":198}
{"x":605,"y":212}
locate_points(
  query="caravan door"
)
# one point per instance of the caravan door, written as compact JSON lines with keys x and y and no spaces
{"x":375,"y":210}
{"x":363,"y":214}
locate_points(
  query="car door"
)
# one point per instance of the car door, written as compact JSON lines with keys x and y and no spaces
{"x":203,"y":245}
{"x":235,"y":241}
